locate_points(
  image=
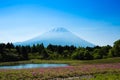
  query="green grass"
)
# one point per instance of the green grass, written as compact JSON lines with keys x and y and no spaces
{"x":70,"y":62}
{"x":107,"y":76}
{"x":96,"y":71}
{"x":102,"y":69}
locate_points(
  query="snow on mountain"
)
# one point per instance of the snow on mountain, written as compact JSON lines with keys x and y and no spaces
{"x":58,"y":36}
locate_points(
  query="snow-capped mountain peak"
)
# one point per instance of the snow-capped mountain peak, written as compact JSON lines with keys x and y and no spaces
{"x":58,"y":36}
{"x":59,"y":29}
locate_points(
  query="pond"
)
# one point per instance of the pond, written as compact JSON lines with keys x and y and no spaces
{"x":25,"y":66}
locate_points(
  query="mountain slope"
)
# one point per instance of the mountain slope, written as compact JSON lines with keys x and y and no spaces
{"x":58,"y":36}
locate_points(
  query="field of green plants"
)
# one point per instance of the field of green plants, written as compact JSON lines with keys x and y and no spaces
{"x":105,"y":69}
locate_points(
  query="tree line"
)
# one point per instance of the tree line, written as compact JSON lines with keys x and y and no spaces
{"x":10,"y":52}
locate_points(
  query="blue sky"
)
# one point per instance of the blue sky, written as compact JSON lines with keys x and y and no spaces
{"x":97,"y":21}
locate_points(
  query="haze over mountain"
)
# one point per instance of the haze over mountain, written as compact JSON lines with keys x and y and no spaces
{"x":57,"y":36}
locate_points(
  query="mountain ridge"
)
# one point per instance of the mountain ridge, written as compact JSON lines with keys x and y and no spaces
{"x":58,"y":36}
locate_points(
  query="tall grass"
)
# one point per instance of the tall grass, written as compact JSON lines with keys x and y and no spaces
{"x":70,"y":62}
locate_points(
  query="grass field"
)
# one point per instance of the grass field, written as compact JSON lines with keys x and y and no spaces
{"x":105,"y":69}
{"x":70,"y":62}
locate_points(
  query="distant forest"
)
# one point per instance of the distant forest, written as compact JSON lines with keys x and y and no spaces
{"x":9,"y":52}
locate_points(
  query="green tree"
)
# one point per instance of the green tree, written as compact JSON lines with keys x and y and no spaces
{"x":97,"y":54}
{"x":2,"y":47}
{"x":39,"y":47}
{"x":33,"y":49}
{"x":0,"y":57}
{"x":104,"y":51}
{"x":78,"y":54}
{"x":24,"y":53}
{"x":44,"y":54}
{"x":9,"y":46}
{"x":66,"y":54}
{"x":50,"y":47}
{"x":87,"y":55}
{"x":116,"y":48}
{"x":111,"y":53}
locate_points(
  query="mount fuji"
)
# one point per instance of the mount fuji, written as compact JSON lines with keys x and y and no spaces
{"x":58,"y":36}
